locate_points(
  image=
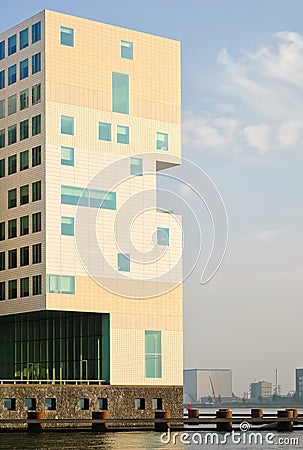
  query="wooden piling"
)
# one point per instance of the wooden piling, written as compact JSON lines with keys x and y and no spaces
{"x":224,"y":413}
{"x":99,"y":415}
{"x":162,"y":426}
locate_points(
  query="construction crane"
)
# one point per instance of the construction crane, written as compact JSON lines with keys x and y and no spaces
{"x":212,"y":388}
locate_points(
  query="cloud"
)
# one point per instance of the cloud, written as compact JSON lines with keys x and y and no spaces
{"x":264,"y":91}
{"x":267,"y":236}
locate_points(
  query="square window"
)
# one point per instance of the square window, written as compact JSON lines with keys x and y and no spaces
{"x":2,"y":50}
{"x":67,"y":284}
{"x":36,"y":63}
{"x":37,"y":254}
{"x":2,"y":290}
{"x":157,"y":403}
{"x":24,"y":38}
{"x":12,"y":134}
{"x":140,"y":403}
{"x":24,"y":195}
{"x":162,"y":236}
{"x":120,"y":93}
{"x":36,"y":191}
{"x":12,"y":228}
{"x":102,"y":404}
{"x":67,"y":125}
{"x":123,"y":262}
{"x":122,"y":134}
{"x":36,"y":222}
{"x":36,"y":93}
{"x":2,"y":138}
{"x":12,"y":198}
{"x":24,"y":130}
{"x":136,"y":166}
{"x":50,"y":404}
{"x":12,"y":44}
{"x":36,"y":125}
{"x":67,"y":36}
{"x":24,"y":256}
{"x":2,"y":109}
{"x":24,"y":164}
{"x":12,"y":164}
{"x":37,"y":285}
{"x":24,"y":287}
{"x":2,"y":261}
{"x":162,"y":141}
{"x":2,"y":168}
{"x":36,"y":156}
{"x":2,"y":79}
{"x":67,"y":156}
{"x":67,"y":226}
{"x":83,"y":404}
{"x":24,"y":225}
{"x":36,"y":32}
{"x":23,"y":99}
{"x":30,"y":404}
{"x":12,"y":104}
{"x":10,"y":404}
{"x":12,"y":289}
{"x":12,"y":74}
{"x":24,"y":69}
{"x":127,"y":50}
{"x":105,"y":132}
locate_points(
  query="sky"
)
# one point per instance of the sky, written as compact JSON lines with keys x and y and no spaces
{"x":242,"y":65}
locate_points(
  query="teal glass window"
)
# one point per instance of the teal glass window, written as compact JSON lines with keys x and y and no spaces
{"x":2,"y":168}
{"x":2,"y":138}
{"x":12,"y":198}
{"x":37,"y":284}
{"x":153,"y":354}
{"x":36,"y":156}
{"x":12,"y":164}
{"x":23,"y":99}
{"x":2,"y":108}
{"x":127,"y":50}
{"x":36,"y":93}
{"x":140,"y":404}
{"x":12,"y":44}
{"x":157,"y":403}
{"x":2,"y":79}
{"x":12,"y":289}
{"x":162,"y":141}
{"x":24,"y":194}
{"x":24,"y":225}
{"x":67,"y":156}
{"x":36,"y":191}
{"x":122,"y":134}
{"x":105,"y":131}
{"x":67,"y":226}
{"x":162,"y":236}
{"x":102,"y":404}
{"x":2,"y":290}
{"x":24,"y":69}
{"x":136,"y":166}
{"x":71,"y":195}
{"x":2,"y":231}
{"x":24,"y":256}
{"x":24,"y":130}
{"x":36,"y":222}
{"x":12,"y":228}
{"x":57,"y":284}
{"x":24,"y":160}
{"x":50,"y":404}
{"x":12,"y":134}
{"x":36,"y":125}
{"x":123,"y":262}
{"x":10,"y":404}
{"x":12,"y":74}
{"x":120,"y":93}
{"x":24,"y":287}
{"x":36,"y":63}
{"x":67,"y":125}
{"x":2,"y":50}
{"x":12,"y":104}
{"x":67,"y":36}
{"x":102,"y":199}
{"x":23,"y":38}
{"x":36,"y":32}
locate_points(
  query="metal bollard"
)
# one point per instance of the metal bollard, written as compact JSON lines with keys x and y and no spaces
{"x":193,"y":414}
{"x":288,"y":425}
{"x":100,"y":415}
{"x":35,"y":427}
{"x":162,"y":426}
{"x":224,"y":414}
{"x":256,"y":413}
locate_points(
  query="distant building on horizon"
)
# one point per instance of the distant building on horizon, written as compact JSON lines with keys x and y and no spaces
{"x":200,"y":384}
{"x":299,"y":383}
{"x":261,"y":389}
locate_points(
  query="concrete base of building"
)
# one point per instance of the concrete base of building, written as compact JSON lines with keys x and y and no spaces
{"x":80,"y":401}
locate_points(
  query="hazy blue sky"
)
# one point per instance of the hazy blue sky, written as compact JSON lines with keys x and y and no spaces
{"x":242,"y":123}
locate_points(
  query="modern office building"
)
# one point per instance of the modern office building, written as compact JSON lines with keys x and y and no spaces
{"x":261,"y":389}
{"x":202,"y":384}
{"x":299,"y":384}
{"x":90,"y":270}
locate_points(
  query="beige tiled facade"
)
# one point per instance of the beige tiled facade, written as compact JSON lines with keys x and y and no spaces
{"x":76,"y":82}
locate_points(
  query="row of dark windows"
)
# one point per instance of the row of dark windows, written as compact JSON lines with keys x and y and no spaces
{"x":23,"y":131}
{"x":12,"y":71}
{"x":24,"y":195}
{"x":11,"y":260}
{"x":11,"y":230}
{"x":12,"y":41}
{"x":12,"y":105}
{"x":10,"y":289}
{"x":24,"y":161}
